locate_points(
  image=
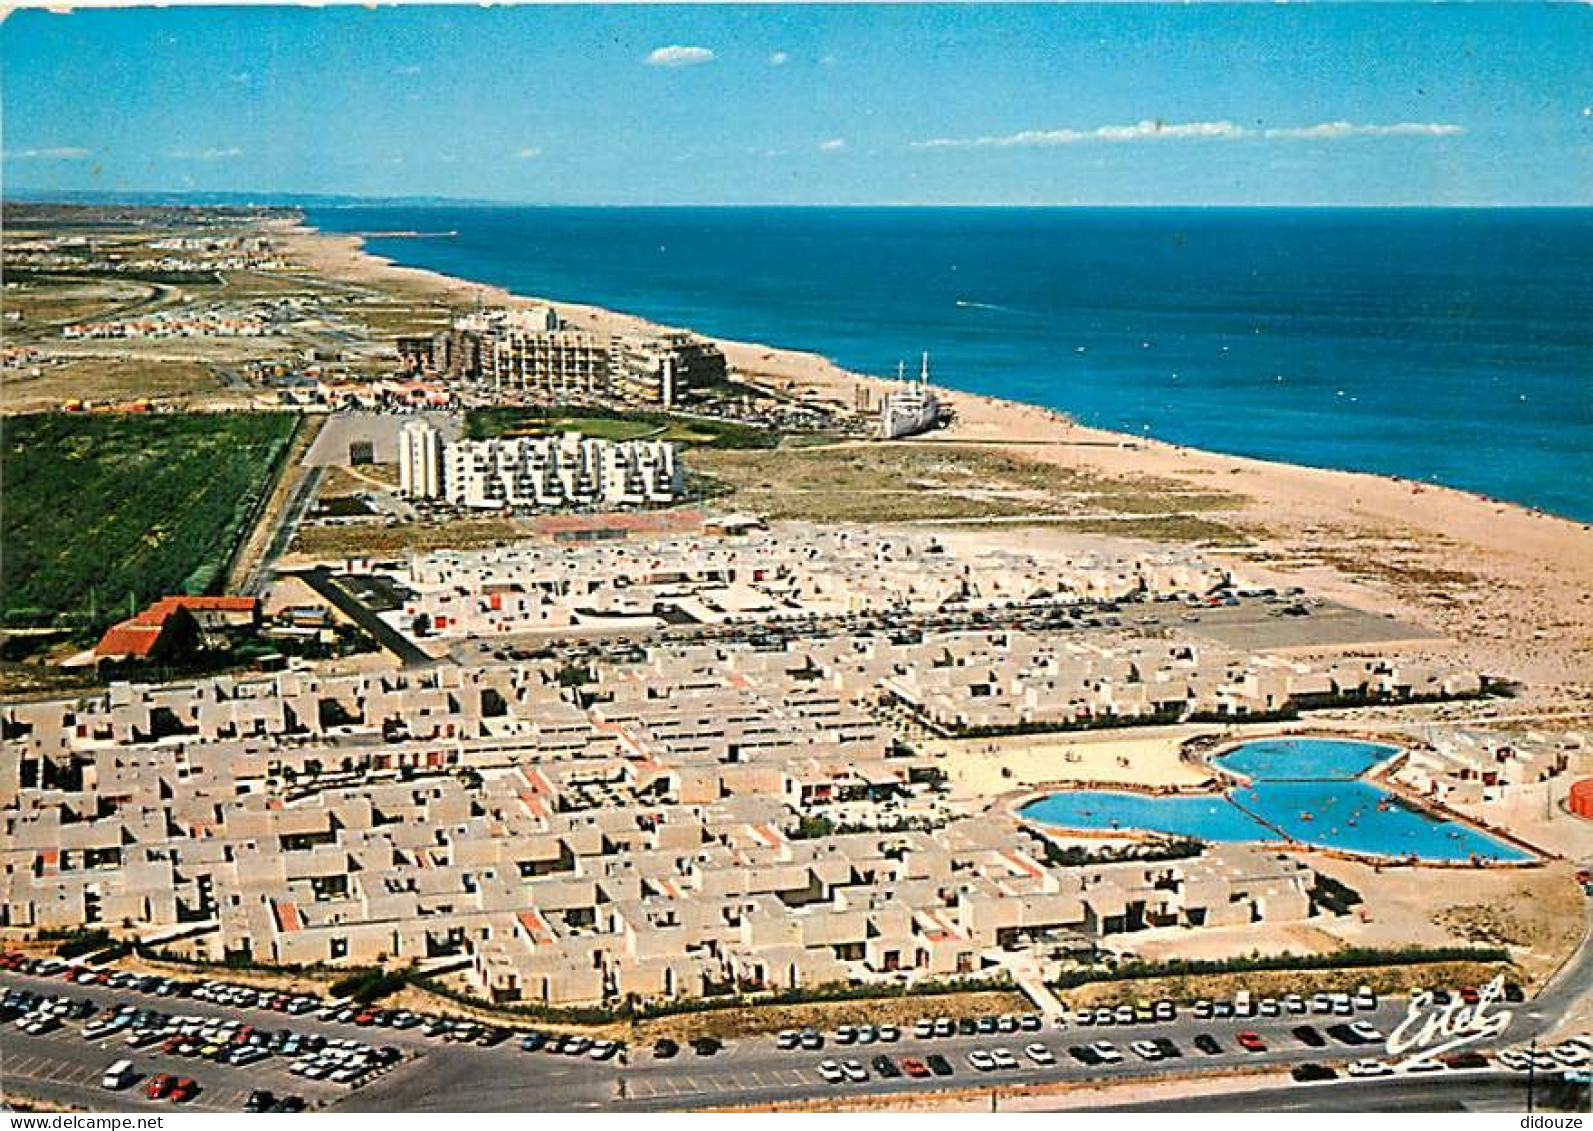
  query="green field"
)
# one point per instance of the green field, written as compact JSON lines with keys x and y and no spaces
{"x":617,"y":425}
{"x":102,"y":512}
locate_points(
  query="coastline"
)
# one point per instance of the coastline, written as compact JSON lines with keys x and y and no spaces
{"x":1510,"y":583}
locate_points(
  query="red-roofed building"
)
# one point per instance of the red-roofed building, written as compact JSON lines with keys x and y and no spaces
{"x":172,"y":626}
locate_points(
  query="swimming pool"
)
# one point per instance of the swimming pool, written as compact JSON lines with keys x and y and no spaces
{"x":1305,"y":790}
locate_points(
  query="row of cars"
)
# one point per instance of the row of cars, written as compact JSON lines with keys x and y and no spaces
{"x":917,"y":1068}
{"x":924,"y":1029}
{"x":182,"y":1089}
{"x":1572,"y":1054}
{"x":568,"y":1044}
{"x":159,"y":985}
{"x":237,"y":996}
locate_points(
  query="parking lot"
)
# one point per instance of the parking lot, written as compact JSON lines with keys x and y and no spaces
{"x":440,"y":1066}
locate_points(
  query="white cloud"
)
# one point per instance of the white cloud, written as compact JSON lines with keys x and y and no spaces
{"x":529,"y":153}
{"x":52,"y":153}
{"x":1331,"y":131}
{"x":1221,"y":130}
{"x":831,"y":145}
{"x":1140,"y":131}
{"x":779,"y":59}
{"x":216,"y":153}
{"x":679,"y":55}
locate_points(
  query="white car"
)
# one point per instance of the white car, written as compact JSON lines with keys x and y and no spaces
{"x":831,"y":1071}
{"x":1040,"y":1054}
{"x":855,"y":1072}
{"x":118,"y":1076}
{"x":1084,"y":1017}
{"x":981,"y":1060}
{"x":1363,"y":1068}
{"x":1269,"y":1007}
{"x":1367,"y":1032}
{"x":1107,"y":1051}
{"x":1145,"y":1050}
{"x":1003,"y":1058}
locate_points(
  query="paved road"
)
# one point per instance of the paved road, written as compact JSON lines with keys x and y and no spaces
{"x":1491,"y":1091}
{"x":320,"y":579}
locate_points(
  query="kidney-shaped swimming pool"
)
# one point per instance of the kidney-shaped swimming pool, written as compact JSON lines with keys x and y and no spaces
{"x":1302,"y":790}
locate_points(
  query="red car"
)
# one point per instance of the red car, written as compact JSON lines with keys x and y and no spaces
{"x":1251,"y":1042}
{"x":160,"y":1086}
{"x":914,"y":1067}
{"x":1469,"y":995}
{"x":183,"y":1091}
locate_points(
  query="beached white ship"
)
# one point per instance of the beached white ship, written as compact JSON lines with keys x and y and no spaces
{"x":911,"y":408}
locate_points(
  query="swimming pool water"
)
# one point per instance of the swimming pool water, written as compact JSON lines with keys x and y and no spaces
{"x":1302,"y":790}
{"x":1305,"y":759}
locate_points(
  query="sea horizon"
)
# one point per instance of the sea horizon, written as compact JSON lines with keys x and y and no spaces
{"x":302,"y":200}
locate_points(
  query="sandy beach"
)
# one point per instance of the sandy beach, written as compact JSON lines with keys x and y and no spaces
{"x":1513,"y":587}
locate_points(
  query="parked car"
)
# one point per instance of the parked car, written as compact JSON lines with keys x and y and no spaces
{"x":118,"y":1076}
{"x":1309,"y":1035}
{"x":1208,"y":1044}
{"x":260,"y":1100}
{"x":831,"y":1072}
{"x":1365,"y":1068}
{"x":1251,"y":1042}
{"x":939,"y":1065}
{"x":914,"y":1067}
{"x":1040,"y":1054}
{"x":1368,"y":1033}
{"x":981,"y":1060}
{"x":1311,"y":1073}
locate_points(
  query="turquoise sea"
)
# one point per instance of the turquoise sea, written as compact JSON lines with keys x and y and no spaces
{"x":1449,"y":345}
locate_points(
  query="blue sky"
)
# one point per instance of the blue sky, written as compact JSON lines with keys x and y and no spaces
{"x":1353,"y":104}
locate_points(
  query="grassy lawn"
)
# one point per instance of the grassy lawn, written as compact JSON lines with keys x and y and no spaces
{"x":99,"y":512}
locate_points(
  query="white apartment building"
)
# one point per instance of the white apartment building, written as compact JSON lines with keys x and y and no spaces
{"x":420,"y":460}
{"x":538,"y":472}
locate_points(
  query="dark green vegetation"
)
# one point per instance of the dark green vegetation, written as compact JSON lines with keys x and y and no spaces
{"x":726,"y":998}
{"x":100,"y":514}
{"x":1351,"y":958}
{"x":369,"y":985}
{"x":617,"y":424}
